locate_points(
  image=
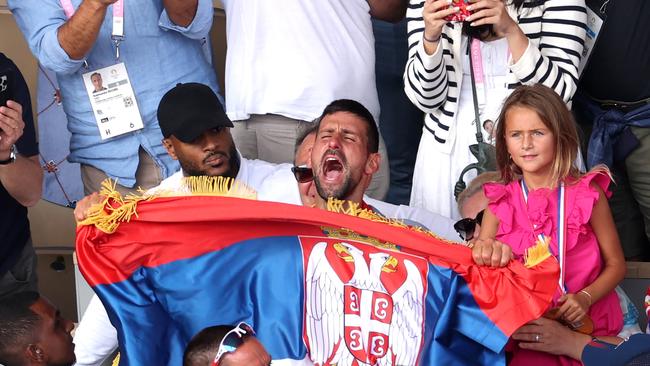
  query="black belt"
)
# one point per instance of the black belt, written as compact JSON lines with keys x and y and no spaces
{"x":624,"y":107}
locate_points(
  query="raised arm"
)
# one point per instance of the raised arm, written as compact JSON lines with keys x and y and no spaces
{"x":425,"y":77}
{"x":554,"y":62}
{"x":23,"y":178}
{"x":59,"y":43}
{"x":77,"y":36}
{"x":389,"y":10}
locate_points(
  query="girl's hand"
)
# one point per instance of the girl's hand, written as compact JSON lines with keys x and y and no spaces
{"x":492,"y":12}
{"x":574,"y":307}
{"x":434,"y":13}
{"x":490,"y":252}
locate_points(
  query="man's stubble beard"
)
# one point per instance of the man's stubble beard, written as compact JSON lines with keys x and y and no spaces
{"x":234,"y":163}
{"x":340,"y":193}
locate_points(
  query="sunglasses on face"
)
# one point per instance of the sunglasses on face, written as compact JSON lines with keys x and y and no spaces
{"x":466,"y":227}
{"x":302,"y":173}
{"x":232,"y":340}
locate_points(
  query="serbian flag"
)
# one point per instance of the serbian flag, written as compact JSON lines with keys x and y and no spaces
{"x":318,"y":287}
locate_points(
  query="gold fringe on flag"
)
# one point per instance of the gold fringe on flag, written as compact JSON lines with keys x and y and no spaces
{"x":537,"y":253}
{"x":354,"y":209}
{"x":217,"y":186}
{"x":534,"y":255}
{"x":347,"y":234}
{"x":113,"y":209}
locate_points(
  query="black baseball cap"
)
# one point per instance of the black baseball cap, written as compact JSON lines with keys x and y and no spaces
{"x":188,"y":110}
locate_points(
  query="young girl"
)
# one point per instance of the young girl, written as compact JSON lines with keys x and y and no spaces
{"x":544,"y":197}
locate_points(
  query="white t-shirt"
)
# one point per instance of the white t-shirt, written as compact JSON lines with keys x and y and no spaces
{"x":294,"y":57}
{"x":437,"y":224}
{"x":272,"y":182}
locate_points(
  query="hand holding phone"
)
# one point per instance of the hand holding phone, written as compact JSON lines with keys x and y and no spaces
{"x":462,"y":12}
{"x":435,"y":13}
{"x":11,"y":124}
{"x":6,"y":86}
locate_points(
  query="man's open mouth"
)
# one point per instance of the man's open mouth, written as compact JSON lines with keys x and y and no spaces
{"x":332,"y":168}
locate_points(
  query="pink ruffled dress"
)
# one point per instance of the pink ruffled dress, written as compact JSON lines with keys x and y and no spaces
{"x":521,"y":222}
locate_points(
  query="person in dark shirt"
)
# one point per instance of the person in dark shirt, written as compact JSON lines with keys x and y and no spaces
{"x":612,"y":106}
{"x":21,"y":179}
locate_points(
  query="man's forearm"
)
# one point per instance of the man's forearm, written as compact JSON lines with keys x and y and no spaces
{"x":389,"y":10}
{"x":78,"y":35}
{"x":181,"y":12}
{"x":23,"y":179}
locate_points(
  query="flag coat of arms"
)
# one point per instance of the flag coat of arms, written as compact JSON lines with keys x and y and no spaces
{"x":319,"y":287}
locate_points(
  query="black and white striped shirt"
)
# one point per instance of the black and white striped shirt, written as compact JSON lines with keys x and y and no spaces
{"x":556,"y":33}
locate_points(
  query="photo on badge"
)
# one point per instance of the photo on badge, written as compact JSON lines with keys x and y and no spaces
{"x":97,"y":82}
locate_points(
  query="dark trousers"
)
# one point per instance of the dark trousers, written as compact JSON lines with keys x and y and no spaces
{"x":22,"y":276}
{"x":629,"y":200}
{"x":400,"y":121}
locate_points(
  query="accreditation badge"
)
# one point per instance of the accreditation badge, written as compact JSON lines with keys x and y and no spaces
{"x":113,"y":101}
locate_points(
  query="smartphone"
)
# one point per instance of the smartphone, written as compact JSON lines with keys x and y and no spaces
{"x":6,"y":86}
{"x":462,"y":13}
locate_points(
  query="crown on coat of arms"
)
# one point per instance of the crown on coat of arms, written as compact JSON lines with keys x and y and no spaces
{"x":347,"y":234}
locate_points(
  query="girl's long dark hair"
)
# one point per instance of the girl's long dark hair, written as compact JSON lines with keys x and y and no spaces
{"x":485,"y":31}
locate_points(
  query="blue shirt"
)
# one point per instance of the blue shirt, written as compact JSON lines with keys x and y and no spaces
{"x":157,"y":53}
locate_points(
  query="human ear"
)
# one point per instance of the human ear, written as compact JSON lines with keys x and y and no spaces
{"x":372,"y":165}
{"x":170,"y":148}
{"x":35,"y":353}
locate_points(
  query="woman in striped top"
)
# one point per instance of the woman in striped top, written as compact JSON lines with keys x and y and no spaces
{"x":517,"y":42}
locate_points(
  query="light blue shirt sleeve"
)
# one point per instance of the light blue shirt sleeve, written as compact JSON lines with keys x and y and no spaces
{"x":145,"y":40}
{"x":39,"y":20}
{"x":200,"y":26}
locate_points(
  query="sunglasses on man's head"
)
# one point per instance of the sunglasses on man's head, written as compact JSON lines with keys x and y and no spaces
{"x":466,"y":227}
{"x":302,"y":173}
{"x":232,"y":340}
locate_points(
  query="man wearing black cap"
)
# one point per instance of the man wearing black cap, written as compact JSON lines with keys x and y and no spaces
{"x":196,"y":132}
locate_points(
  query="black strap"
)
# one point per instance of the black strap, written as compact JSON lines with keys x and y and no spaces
{"x":477,"y":116}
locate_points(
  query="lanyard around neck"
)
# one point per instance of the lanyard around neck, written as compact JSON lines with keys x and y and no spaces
{"x":561,"y":226}
{"x":117,"y":34}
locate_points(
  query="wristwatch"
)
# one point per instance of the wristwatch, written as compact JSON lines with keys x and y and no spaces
{"x":12,"y":156}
